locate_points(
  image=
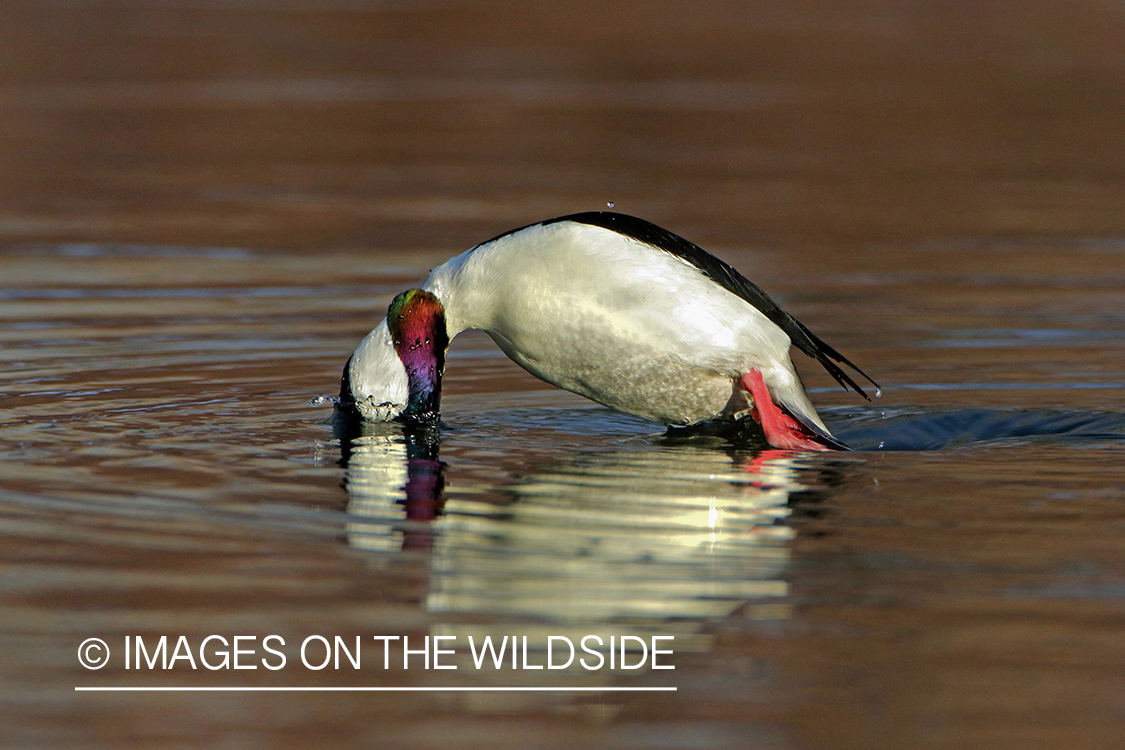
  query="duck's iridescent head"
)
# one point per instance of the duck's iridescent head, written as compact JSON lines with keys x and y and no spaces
{"x":416,"y":321}
{"x":395,"y":372}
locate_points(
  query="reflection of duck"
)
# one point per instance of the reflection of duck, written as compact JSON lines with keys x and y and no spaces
{"x":652,"y":540}
{"x":393,"y":474}
{"x":667,"y":534}
{"x":610,"y":307}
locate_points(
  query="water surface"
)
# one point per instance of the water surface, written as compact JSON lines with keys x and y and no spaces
{"x":206,"y":209}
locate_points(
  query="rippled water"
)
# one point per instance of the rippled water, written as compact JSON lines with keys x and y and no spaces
{"x":206,"y":211}
{"x":165,"y":473}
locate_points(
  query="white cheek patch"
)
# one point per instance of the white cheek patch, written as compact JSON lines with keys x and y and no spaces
{"x":377,"y":377}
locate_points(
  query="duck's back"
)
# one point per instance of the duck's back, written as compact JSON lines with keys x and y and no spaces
{"x":613,"y":318}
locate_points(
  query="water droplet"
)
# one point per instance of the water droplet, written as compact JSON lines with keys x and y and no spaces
{"x":881,"y":444}
{"x":878,"y":393}
{"x":321,"y":400}
{"x":609,"y":205}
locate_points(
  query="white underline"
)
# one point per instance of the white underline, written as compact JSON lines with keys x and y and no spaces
{"x":250,"y":689}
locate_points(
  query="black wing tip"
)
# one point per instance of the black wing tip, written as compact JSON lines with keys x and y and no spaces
{"x":842,"y":377}
{"x":846,"y":380}
{"x":824,"y":353}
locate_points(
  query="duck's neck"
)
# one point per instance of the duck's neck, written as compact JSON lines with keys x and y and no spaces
{"x":424,"y":367}
{"x":417,"y":323}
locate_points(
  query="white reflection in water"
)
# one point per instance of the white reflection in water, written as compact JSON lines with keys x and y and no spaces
{"x":650,"y":540}
{"x":667,"y":534}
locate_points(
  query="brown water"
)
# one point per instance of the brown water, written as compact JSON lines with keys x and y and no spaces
{"x":204,"y":207}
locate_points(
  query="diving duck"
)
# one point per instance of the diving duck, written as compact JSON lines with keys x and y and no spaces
{"x":611,"y":307}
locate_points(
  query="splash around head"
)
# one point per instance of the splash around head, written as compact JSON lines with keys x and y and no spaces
{"x":395,"y":373}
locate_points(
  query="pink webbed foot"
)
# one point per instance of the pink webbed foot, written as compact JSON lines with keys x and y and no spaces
{"x":781,"y":430}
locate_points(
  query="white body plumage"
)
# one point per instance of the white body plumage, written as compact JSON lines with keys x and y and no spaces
{"x":604,"y":314}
